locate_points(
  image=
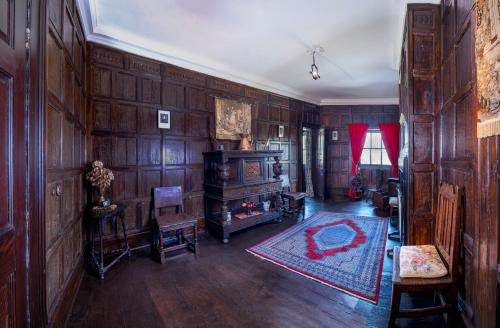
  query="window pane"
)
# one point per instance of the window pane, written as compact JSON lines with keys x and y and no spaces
{"x":376,"y":140}
{"x":367,"y":140}
{"x":365,"y":156}
{"x":376,"y":156}
{"x":385,"y":158}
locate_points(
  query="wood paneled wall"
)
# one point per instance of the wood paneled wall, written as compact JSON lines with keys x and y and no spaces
{"x":419,"y":100}
{"x":338,"y":157}
{"x":470,"y":163}
{"x":65,"y":155}
{"x":126,"y":92}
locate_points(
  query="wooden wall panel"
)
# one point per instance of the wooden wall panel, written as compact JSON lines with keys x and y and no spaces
{"x":66,"y":153}
{"x":419,"y":102}
{"x":126,"y":92}
{"x":338,"y":156}
{"x":470,"y":163}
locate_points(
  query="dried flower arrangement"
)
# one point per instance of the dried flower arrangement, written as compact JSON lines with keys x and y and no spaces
{"x":101,"y":178}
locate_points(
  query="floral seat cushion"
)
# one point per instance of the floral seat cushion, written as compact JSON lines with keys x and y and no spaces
{"x":421,"y":262}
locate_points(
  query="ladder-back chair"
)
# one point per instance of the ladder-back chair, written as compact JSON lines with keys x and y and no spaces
{"x":446,"y":243}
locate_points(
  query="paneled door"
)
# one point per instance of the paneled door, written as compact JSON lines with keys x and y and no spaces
{"x":12,"y":163}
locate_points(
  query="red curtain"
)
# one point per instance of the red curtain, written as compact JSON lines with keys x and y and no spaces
{"x":390,"y":135}
{"x":357,"y":133}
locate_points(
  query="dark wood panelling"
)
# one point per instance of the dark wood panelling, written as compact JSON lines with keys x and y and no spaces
{"x":65,"y":154}
{"x":420,"y":62}
{"x":14,"y":216}
{"x":470,"y":163}
{"x":126,"y":93}
{"x":338,"y":156}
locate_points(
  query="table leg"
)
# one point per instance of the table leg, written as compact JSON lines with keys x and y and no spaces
{"x":92,"y":241}
{"x":195,"y":231}
{"x":101,"y":233}
{"x":125,"y":235}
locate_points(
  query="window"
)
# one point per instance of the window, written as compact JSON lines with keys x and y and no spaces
{"x":374,"y":152}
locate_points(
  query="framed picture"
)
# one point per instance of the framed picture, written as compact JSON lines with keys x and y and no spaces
{"x":232,"y":119}
{"x":335,"y":135}
{"x":281,"y":131}
{"x":163,"y":119}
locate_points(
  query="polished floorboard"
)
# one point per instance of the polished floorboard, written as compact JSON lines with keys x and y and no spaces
{"x":224,"y":286}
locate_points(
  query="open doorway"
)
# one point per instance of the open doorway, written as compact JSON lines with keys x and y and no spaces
{"x":307,"y":160}
{"x":313,"y":161}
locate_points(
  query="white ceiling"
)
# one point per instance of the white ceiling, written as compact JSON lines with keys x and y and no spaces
{"x":265,"y":43}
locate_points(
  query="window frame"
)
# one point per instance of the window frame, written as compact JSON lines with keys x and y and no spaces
{"x":381,"y":165}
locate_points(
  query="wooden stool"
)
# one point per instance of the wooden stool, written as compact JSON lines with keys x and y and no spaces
{"x":176,"y":222}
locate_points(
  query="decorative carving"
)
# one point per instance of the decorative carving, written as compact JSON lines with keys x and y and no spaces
{"x":256,"y":94}
{"x":223,"y":85}
{"x":277,"y":167}
{"x":107,"y":57}
{"x":252,"y":170}
{"x":179,"y":74}
{"x":279,"y":100}
{"x":423,"y":19}
{"x":137,"y":64}
{"x":223,"y":172}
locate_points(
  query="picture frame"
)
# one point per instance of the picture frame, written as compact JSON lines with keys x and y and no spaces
{"x":163,"y":119}
{"x":281,"y":131}
{"x":335,"y":135}
{"x":233,"y":118}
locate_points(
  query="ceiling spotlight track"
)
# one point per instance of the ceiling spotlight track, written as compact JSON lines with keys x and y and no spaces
{"x":314,"y":69}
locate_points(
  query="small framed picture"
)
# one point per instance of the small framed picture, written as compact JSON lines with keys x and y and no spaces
{"x":281,"y":131}
{"x":335,"y":135}
{"x":163,"y":119}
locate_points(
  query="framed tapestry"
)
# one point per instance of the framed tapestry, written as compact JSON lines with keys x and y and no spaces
{"x":488,"y":66}
{"x":232,"y":118}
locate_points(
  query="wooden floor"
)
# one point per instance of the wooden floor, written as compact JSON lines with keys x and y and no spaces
{"x":227,"y":287}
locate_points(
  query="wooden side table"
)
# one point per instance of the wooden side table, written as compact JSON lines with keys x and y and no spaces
{"x":99,"y":217}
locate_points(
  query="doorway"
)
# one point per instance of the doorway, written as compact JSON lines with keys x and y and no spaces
{"x":307,"y":160}
{"x":313,"y":161}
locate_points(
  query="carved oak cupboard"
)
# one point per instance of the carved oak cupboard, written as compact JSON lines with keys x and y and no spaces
{"x":236,"y":176}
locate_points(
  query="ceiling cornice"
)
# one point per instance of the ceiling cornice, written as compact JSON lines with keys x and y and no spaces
{"x":94,"y":33}
{"x":359,"y":101}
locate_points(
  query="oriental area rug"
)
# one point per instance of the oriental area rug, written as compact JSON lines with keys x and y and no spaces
{"x":343,"y":251}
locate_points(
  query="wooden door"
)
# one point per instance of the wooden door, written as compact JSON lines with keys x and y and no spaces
{"x":320,"y":174}
{"x":12,"y":163}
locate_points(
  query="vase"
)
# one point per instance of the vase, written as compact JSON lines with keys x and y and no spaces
{"x":102,"y":199}
{"x":245,"y":142}
{"x":249,"y":211}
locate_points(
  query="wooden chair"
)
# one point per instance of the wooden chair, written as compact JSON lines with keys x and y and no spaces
{"x":446,"y":238}
{"x":172,"y":223}
{"x":293,"y":202}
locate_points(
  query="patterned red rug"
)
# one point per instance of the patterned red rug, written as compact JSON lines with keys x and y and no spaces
{"x":343,"y":251}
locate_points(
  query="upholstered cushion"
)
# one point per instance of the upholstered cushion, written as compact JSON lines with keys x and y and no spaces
{"x":421,"y":262}
{"x":393,"y":201}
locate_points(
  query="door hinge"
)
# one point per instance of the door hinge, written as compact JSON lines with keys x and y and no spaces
{"x":28,"y":37}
